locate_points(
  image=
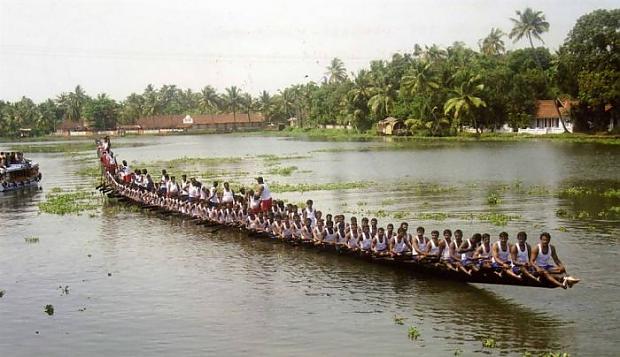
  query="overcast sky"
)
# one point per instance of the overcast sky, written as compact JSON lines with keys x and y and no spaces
{"x":118,"y":47}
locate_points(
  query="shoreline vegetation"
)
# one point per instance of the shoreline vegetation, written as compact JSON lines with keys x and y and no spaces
{"x":72,"y":144}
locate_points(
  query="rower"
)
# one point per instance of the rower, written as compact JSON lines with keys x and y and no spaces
{"x":446,"y":248}
{"x":330,"y":234}
{"x":389,"y":233}
{"x":286,"y":231}
{"x":433,"y":248}
{"x":184,"y":189}
{"x":380,"y":243}
{"x":419,"y":244}
{"x":408,"y":237}
{"x":310,"y":212}
{"x":228,"y":196}
{"x":520,"y":256}
{"x":212,"y":198}
{"x":501,"y":255}
{"x":306,"y":230}
{"x":254,"y":203}
{"x":400,"y":248}
{"x":173,"y":187}
{"x":366,"y":240}
{"x":318,"y":232}
{"x":353,"y":238}
{"x":467,"y":249}
{"x":373,"y":227}
{"x":483,"y":252}
{"x":540,"y":259}
{"x":264,"y":195}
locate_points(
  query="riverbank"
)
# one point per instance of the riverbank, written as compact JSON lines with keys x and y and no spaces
{"x":352,"y":135}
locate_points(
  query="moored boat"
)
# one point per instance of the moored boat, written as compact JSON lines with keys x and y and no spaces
{"x":16,"y":172}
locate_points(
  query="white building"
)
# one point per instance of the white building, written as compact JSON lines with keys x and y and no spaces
{"x":547,"y":120}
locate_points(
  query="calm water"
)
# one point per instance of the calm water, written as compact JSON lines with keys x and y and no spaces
{"x":178,"y":289}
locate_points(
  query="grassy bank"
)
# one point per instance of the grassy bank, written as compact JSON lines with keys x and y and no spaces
{"x":352,"y":135}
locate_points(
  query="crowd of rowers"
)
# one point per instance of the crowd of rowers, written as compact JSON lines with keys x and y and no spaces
{"x":255,"y":210}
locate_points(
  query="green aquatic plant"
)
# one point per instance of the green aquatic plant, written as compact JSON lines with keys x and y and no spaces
{"x":76,"y":202}
{"x":413,"y":333}
{"x":489,"y":343}
{"x":49,"y":309}
{"x":555,"y":354}
{"x":399,"y":215}
{"x":333,"y":186}
{"x":458,"y":352}
{"x":575,"y":191}
{"x":31,"y":240}
{"x":399,"y":320}
{"x":497,"y":219}
{"x":611,"y":193}
{"x":432,"y":216}
{"x":282,"y":171}
{"x":493,"y":199}
{"x":89,"y":171}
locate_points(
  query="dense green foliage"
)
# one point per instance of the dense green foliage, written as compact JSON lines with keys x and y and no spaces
{"x":436,"y":90}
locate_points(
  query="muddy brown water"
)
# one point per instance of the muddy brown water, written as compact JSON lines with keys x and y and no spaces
{"x":178,"y":289}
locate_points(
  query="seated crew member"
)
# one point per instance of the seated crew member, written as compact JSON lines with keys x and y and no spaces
{"x":212,"y":198}
{"x":483,"y":253}
{"x":520,"y":256}
{"x":500,"y":252}
{"x":447,"y":250}
{"x":228,"y":196}
{"x":173,"y":187}
{"x":353,"y":238}
{"x":467,"y":250}
{"x":264,"y":195}
{"x":330,"y":235}
{"x":373,"y":227}
{"x":366,"y":240}
{"x":389,"y":232}
{"x":318,"y":232}
{"x":306,"y":231}
{"x":310,"y":212}
{"x":286,"y":232}
{"x":541,"y":257}
{"x":400,"y":247}
{"x":380,"y":243}
{"x":433,"y":247}
{"x":419,"y":244}
{"x":254,"y":203}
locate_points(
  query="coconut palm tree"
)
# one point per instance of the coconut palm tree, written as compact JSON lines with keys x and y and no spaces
{"x":249,"y":104}
{"x":382,"y":100}
{"x":265,"y":104}
{"x":493,"y":45}
{"x":210,"y":101}
{"x":233,"y":100}
{"x":336,"y":72}
{"x":529,"y":24}
{"x":464,"y":100}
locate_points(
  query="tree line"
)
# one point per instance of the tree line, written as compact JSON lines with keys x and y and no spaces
{"x":438,"y":90}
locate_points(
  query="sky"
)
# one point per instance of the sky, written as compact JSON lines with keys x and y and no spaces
{"x":119,"y":47}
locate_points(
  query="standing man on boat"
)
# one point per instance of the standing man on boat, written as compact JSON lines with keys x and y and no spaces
{"x":264,"y":195}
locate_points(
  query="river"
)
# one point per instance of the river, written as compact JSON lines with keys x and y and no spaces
{"x":143,"y":284}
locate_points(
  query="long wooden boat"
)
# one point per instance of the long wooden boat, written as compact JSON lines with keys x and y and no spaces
{"x":484,"y":276}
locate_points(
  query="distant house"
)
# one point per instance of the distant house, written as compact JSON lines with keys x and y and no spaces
{"x":73,"y":128}
{"x":546,"y":120}
{"x":162,"y":124}
{"x":391,"y":126}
